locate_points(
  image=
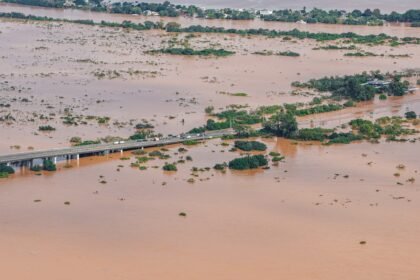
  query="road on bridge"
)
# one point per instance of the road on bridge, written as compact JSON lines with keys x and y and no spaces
{"x":77,"y":151}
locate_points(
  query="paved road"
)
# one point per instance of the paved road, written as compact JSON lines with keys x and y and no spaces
{"x":99,"y":148}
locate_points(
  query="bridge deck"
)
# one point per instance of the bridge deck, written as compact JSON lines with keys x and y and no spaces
{"x":98,"y":148}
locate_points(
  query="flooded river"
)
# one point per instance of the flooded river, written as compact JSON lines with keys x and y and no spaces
{"x":325,"y":212}
{"x":383,"y":5}
{"x":400,"y":30}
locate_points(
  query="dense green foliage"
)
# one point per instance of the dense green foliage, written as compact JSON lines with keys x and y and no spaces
{"x":239,"y":117}
{"x":359,"y":87}
{"x":250,"y":146}
{"x":282,"y":124}
{"x":326,"y":136}
{"x":48,"y":165}
{"x":411,"y":115}
{"x":391,"y":127}
{"x":170,"y":167}
{"x":318,"y":109}
{"x":356,"y":17}
{"x":191,"y":142}
{"x":172,"y":10}
{"x":141,"y":135}
{"x":6,"y":169}
{"x":232,"y":117}
{"x":387,"y":126}
{"x":163,"y":9}
{"x":343,"y":138}
{"x":248,"y":162}
{"x":312,"y":134}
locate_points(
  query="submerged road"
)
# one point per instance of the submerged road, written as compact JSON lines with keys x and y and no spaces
{"x":77,"y":151}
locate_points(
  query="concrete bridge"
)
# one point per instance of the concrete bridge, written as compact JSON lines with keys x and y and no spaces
{"x":75,"y":152}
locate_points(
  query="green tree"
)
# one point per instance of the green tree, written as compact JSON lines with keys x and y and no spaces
{"x":48,"y":165}
{"x":282,"y":124}
{"x":397,"y":88}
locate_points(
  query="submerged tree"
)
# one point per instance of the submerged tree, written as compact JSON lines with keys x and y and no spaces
{"x":282,"y":124}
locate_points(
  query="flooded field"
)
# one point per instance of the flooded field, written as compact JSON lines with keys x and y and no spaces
{"x":302,"y":219}
{"x":325,"y":212}
{"x":50,"y":69}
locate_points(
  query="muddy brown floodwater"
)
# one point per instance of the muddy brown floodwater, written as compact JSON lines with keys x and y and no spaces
{"x":325,"y":212}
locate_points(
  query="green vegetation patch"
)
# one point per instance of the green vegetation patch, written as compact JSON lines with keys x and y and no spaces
{"x":250,"y":146}
{"x":170,"y":167}
{"x":248,"y":162}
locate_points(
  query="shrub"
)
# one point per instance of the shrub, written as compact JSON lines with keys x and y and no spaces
{"x":383,"y":97}
{"x":248,"y":162}
{"x":6,"y":169}
{"x":411,"y":115}
{"x":250,"y":146}
{"x":156,"y":154}
{"x":349,"y":103}
{"x":312,"y":134}
{"x":48,"y":165}
{"x":318,"y":109}
{"x":46,"y":128}
{"x":190,"y":142}
{"x":277,"y":158}
{"x":170,"y":167}
{"x":343,"y":138}
{"x":209,"y":110}
{"x":220,"y":166}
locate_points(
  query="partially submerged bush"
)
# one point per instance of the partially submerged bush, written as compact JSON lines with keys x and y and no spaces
{"x":248,"y":162}
{"x":411,"y":115}
{"x":6,"y":169}
{"x":250,"y":146}
{"x":48,"y":165}
{"x":46,"y":128}
{"x":170,"y":167}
